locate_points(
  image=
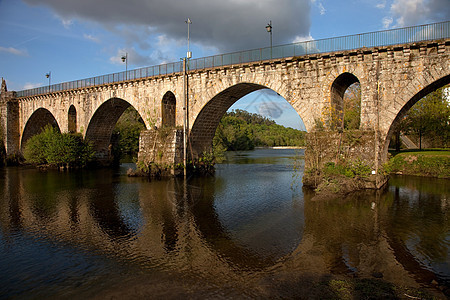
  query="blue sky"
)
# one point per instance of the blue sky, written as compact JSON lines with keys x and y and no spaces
{"x":84,"y":38}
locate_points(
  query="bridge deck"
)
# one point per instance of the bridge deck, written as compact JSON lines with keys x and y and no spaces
{"x":406,"y":35}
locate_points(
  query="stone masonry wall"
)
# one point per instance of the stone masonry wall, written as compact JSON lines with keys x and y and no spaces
{"x":163,"y":147}
{"x":350,"y":146}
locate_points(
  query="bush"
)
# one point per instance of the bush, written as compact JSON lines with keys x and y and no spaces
{"x":348,"y":169}
{"x":51,"y":147}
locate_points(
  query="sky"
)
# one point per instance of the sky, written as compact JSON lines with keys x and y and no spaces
{"x":85,"y":38}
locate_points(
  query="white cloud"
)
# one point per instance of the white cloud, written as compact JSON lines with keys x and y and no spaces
{"x":299,"y":39}
{"x":387,"y":22}
{"x":91,"y":38}
{"x":321,"y":8}
{"x":381,"y":5}
{"x":66,"y":22}
{"x":416,"y":12}
{"x":14,"y":51}
{"x":30,"y":85}
{"x":319,"y":5}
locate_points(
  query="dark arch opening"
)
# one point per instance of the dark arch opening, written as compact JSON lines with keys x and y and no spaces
{"x":38,"y":120}
{"x":125,"y":136}
{"x":401,"y":114}
{"x":101,"y":126}
{"x":169,"y":104}
{"x":72,"y":119}
{"x":338,"y":91}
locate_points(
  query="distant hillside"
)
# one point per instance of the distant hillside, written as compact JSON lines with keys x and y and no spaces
{"x":241,"y":130}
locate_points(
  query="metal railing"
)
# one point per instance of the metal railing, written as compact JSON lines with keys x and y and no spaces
{"x":405,"y":35}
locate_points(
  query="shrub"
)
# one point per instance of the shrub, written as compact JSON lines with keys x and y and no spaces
{"x":348,"y":169}
{"x":58,"y":149}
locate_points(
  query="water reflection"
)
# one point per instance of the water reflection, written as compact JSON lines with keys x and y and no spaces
{"x":419,"y":225}
{"x":243,"y":225}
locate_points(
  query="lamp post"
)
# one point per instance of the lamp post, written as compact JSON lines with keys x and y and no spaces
{"x":269,"y":29}
{"x":189,"y":53}
{"x":125,"y":60}
{"x":49,"y":76}
{"x":186,"y":100}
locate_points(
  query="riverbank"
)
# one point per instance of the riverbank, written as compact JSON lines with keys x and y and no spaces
{"x":428,"y":163}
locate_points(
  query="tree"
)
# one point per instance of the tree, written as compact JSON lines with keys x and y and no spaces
{"x":125,"y":138}
{"x":352,"y":106}
{"x":241,"y":130}
{"x":429,"y":118}
{"x":58,"y":149}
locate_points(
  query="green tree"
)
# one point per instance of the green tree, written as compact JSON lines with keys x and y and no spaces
{"x":58,"y":149}
{"x":125,"y":138}
{"x":241,"y":130}
{"x":429,"y":118}
{"x":352,"y":106}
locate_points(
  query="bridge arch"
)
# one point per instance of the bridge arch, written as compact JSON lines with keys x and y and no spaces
{"x":37,"y":121}
{"x":338,"y":89}
{"x":102,"y":124}
{"x":433,"y":86}
{"x":72,"y":119}
{"x":168,"y":109}
{"x":208,"y":118}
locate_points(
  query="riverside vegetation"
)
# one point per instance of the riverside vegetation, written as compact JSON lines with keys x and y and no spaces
{"x":431,"y":163}
{"x":240,"y":130}
{"x":52,"y":148}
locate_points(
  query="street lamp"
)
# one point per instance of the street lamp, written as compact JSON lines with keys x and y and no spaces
{"x":186,"y":99}
{"x":49,"y":76}
{"x":125,"y":60}
{"x":189,"y":53}
{"x":269,"y":29}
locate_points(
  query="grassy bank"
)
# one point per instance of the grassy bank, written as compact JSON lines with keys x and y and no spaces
{"x":430,"y":163}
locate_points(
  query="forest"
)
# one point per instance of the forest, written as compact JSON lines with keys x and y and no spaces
{"x":241,"y":130}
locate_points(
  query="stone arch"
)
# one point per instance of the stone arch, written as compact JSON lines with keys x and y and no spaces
{"x":101,"y":126}
{"x":168,"y":107}
{"x":407,"y":106}
{"x":338,"y":88}
{"x":208,"y":118}
{"x":37,"y":121}
{"x":72,"y":119}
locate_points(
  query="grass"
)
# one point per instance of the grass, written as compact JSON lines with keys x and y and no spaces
{"x":433,"y":152}
{"x":430,"y":163}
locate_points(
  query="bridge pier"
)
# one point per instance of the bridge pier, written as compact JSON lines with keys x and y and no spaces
{"x":358,"y":149}
{"x":9,"y":126}
{"x":161,"y":151}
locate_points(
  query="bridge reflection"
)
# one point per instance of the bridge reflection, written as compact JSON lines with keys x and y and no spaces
{"x":175,"y":224}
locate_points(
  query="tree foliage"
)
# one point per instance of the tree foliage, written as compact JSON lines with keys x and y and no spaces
{"x":241,"y":130}
{"x":51,"y":147}
{"x":352,"y":106}
{"x":429,"y":119}
{"x":126,"y":134}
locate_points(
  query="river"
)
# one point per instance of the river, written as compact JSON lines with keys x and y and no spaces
{"x":250,"y":230}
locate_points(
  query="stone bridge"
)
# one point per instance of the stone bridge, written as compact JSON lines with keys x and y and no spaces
{"x":392,"y":79}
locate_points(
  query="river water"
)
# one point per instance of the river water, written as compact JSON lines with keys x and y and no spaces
{"x":249,"y":230}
